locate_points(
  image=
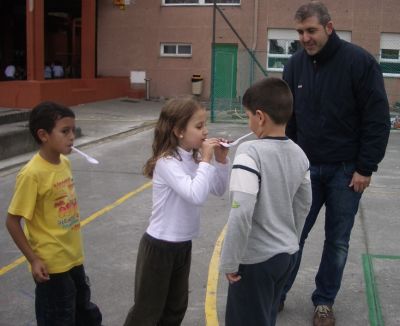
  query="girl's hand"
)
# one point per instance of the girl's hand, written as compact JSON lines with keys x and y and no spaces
{"x":207,"y":149}
{"x":39,"y":271}
{"x":221,"y":152}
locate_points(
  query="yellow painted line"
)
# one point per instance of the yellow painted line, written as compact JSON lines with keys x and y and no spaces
{"x":11,"y":266}
{"x":116,"y":203}
{"x":212,"y":283}
{"x":92,"y":217}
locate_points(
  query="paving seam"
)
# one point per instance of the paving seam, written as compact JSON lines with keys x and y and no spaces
{"x":374,"y":306}
{"x":375,"y":310}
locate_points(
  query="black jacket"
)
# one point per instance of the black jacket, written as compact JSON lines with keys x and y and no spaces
{"x":341,"y":112}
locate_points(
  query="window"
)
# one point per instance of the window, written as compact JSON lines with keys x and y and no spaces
{"x":200,"y":2}
{"x":389,"y":58}
{"x":282,"y":43}
{"x":176,"y":50}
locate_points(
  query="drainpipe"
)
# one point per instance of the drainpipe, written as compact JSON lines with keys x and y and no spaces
{"x":255,"y":26}
{"x":255,"y":36}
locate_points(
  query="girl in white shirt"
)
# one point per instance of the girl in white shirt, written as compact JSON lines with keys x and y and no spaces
{"x":183,"y":173}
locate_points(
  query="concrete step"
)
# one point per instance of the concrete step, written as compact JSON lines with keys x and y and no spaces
{"x":16,"y":139}
{"x":11,"y":116}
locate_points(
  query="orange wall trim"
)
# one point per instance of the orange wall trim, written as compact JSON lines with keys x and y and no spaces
{"x":27,"y":94}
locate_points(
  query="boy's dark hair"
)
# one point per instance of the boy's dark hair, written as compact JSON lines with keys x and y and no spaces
{"x":272,"y":96}
{"x":311,"y":9}
{"x":45,"y":115}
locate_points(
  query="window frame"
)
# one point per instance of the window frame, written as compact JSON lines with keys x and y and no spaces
{"x":200,"y":3}
{"x":176,"y":54}
{"x":391,"y":42}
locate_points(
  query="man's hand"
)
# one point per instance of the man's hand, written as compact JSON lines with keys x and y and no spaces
{"x":233,"y":277}
{"x":359,"y":182}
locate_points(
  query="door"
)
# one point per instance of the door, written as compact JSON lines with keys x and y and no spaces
{"x":225,"y":72}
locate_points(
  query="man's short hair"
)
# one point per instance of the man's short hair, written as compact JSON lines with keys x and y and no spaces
{"x":311,"y":9}
{"x":45,"y":115}
{"x":272,"y":96}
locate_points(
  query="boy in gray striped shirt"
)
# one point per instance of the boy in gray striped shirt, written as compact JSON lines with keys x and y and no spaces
{"x":271,"y":196}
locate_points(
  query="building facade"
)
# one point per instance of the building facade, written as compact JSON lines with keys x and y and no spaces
{"x":166,"y":42}
{"x":171,"y":39}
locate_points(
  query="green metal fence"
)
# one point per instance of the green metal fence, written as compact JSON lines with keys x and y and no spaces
{"x":230,"y":83}
{"x":235,"y":67}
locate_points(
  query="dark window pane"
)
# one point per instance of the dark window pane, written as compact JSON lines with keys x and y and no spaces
{"x":181,"y":1}
{"x":390,"y":67}
{"x":223,"y":1}
{"x":184,"y":49}
{"x":294,"y":46}
{"x":277,"y":62}
{"x":277,"y":46}
{"x":170,"y":49}
{"x":390,"y":54}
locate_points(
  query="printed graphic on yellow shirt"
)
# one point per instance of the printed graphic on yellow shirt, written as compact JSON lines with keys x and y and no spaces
{"x":66,"y":204}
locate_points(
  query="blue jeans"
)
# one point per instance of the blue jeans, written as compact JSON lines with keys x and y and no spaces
{"x":330,"y":186}
{"x":64,"y":300}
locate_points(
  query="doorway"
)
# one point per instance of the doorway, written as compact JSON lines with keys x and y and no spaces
{"x":225,"y":71}
{"x":12,"y":39}
{"x":62,"y":38}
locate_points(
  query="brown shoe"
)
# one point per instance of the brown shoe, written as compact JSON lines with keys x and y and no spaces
{"x":323,"y":316}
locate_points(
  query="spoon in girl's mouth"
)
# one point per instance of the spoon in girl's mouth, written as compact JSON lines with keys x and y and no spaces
{"x":86,"y":156}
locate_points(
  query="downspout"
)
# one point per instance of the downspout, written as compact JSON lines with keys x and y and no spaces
{"x":255,"y":26}
{"x":255,"y":37}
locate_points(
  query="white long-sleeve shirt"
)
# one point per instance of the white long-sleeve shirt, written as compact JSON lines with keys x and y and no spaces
{"x":180,"y":187}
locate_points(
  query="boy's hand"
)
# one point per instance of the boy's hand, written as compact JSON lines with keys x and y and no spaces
{"x":233,"y":277}
{"x":39,"y":271}
{"x":221,"y":152}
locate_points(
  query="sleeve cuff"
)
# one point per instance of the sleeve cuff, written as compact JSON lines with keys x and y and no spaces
{"x":364,"y":173}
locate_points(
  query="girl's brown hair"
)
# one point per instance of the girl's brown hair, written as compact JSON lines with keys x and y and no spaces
{"x":174,"y":116}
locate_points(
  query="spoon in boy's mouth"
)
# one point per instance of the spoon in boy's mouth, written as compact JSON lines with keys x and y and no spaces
{"x":234,"y":143}
{"x":86,"y":156}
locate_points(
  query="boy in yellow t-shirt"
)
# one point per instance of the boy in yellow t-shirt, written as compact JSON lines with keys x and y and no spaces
{"x":45,"y":198}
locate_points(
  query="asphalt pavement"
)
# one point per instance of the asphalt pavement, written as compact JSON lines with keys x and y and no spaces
{"x":370,"y":292}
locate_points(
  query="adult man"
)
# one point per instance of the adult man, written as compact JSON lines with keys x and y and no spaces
{"x":341,"y":121}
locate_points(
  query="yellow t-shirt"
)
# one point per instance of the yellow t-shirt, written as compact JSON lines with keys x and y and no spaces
{"x":45,"y":197}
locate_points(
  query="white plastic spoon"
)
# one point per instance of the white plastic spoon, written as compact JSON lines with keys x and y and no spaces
{"x":236,"y":141}
{"x":87,"y":157}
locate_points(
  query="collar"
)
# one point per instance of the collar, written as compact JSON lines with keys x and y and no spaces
{"x":184,"y":154}
{"x":275,"y":138}
{"x":331,"y":46}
